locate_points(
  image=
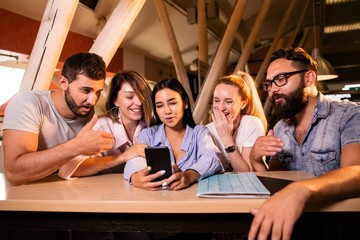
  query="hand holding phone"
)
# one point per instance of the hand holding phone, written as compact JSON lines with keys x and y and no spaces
{"x":158,"y":158}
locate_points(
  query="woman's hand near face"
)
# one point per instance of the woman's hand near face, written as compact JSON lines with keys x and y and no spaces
{"x":142,"y":179}
{"x":224,"y":126}
{"x":180,"y":179}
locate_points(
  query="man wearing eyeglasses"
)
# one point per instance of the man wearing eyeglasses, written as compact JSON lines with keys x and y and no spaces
{"x":315,"y":134}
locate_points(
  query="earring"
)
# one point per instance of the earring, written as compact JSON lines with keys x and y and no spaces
{"x":114,"y":112}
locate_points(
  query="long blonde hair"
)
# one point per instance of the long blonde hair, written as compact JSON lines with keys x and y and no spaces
{"x":247,"y":90}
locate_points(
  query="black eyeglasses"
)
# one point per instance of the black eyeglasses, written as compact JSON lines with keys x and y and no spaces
{"x":280,"y":79}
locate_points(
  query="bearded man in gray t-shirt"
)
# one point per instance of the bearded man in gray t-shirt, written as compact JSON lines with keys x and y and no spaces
{"x":44,"y":130}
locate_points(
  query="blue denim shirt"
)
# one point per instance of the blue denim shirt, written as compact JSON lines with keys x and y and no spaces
{"x":334,"y":124}
{"x":201,"y":153}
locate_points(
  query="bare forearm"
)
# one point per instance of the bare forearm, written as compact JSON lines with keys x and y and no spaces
{"x":29,"y":165}
{"x":256,"y":160}
{"x":340,"y":183}
{"x":236,"y":159}
{"x":36,"y":165}
{"x":96,"y":165}
{"x":258,"y":164}
{"x":238,"y":163}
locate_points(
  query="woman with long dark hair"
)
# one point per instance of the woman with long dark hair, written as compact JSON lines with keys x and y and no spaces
{"x":192,"y":151}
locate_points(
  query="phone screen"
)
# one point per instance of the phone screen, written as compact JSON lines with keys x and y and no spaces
{"x":158,"y":158}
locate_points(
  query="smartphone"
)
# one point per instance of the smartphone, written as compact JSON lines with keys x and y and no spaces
{"x":158,"y":158}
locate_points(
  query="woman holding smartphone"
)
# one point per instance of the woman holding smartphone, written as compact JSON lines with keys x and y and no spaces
{"x":192,"y":151}
{"x":128,"y":110}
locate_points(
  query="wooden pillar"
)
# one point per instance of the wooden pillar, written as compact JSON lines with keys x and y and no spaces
{"x":220,"y":56}
{"x":274,"y":43}
{"x":116,"y":28}
{"x":203,"y":44}
{"x":54,"y":27}
{"x":202,"y":24}
{"x":300,"y":23}
{"x":174,"y":48}
{"x":252,"y":37}
{"x":306,"y":35}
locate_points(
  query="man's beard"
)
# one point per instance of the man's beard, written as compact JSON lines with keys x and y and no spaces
{"x":294,"y":103}
{"x":73,"y":107}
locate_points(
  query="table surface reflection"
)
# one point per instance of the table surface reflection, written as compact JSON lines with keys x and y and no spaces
{"x":112,"y":194}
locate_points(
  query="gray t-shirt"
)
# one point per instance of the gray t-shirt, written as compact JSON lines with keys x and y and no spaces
{"x":35,"y":112}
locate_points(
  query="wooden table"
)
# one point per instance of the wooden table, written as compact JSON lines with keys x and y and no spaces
{"x":109,"y":203}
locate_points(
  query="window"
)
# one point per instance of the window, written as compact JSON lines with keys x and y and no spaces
{"x":10,"y":81}
{"x":12,"y":69}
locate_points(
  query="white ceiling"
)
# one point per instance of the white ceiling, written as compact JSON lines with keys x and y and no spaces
{"x":145,"y":36}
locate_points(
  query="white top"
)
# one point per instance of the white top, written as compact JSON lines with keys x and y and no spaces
{"x":249,"y":130}
{"x":117,"y":129}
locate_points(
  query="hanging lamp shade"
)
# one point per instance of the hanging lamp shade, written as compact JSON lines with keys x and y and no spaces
{"x":325,"y":71}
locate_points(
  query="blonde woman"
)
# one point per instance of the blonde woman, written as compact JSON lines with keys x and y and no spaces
{"x":237,"y":120}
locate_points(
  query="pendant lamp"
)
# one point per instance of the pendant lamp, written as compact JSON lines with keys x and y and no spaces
{"x":325,"y":71}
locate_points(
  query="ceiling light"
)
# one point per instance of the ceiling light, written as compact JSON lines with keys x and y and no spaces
{"x":353,"y":87}
{"x":193,"y":67}
{"x":339,"y":96}
{"x":324,"y":71}
{"x":330,"y":2}
{"x":342,"y":28}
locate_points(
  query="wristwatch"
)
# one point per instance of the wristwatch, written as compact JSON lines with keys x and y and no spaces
{"x":230,"y":149}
